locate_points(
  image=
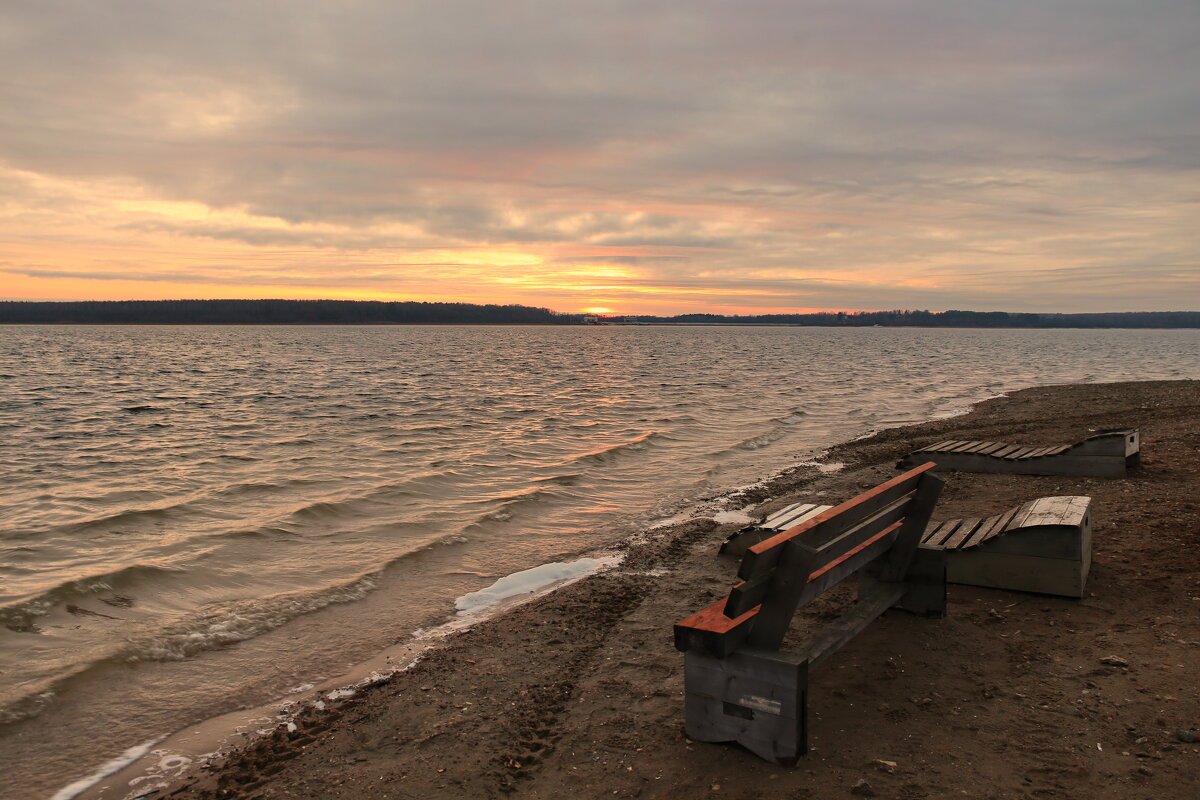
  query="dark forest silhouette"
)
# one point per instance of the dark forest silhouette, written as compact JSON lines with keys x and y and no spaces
{"x":366,"y":312}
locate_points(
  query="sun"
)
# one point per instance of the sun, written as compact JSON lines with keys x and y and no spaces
{"x":597,"y":310}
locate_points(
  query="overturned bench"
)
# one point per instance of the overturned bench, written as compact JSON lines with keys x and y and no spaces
{"x":1043,"y":546}
{"x":738,"y":685}
{"x":1107,"y":454}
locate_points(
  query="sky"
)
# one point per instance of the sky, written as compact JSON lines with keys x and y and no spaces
{"x":639,"y":156}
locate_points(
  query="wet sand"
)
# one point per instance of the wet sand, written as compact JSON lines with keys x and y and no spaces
{"x":580,"y":692}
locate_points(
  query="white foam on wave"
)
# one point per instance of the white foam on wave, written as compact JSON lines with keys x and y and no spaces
{"x":530,"y":580}
{"x":105,"y":769}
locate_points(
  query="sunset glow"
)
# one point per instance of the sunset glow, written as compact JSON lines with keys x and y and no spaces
{"x":881,"y":159}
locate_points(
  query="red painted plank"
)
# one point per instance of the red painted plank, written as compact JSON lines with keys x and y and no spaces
{"x":713,"y":620}
{"x":845,"y":556}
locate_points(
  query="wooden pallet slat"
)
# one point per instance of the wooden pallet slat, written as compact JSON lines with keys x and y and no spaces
{"x":947,"y":530}
{"x":962,"y":533}
{"x":793,"y":515}
{"x":1106,"y":454}
{"x":936,"y":532}
{"x":1001,"y":525}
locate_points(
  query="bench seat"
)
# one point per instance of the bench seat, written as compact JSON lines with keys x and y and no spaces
{"x":1043,"y":546}
{"x":1107,"y":454}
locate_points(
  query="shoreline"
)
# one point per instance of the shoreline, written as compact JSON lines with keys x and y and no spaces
{"x":115,"y":709}
{"x":499,"y":724}
{"x":158,"y":762}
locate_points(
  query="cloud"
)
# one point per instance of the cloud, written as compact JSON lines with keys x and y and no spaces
{"x":882,"y":150}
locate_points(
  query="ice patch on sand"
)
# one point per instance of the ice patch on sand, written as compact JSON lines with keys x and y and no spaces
{"x":738,"y":517}
{"x":668,"y":522}
{"x":531,"y":580}
{"x":825,"y":467}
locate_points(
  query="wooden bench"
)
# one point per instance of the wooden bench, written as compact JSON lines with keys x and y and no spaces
{"x":738,"y":685}
{"x":1043,"y":546}
{"x":1108,"y":454}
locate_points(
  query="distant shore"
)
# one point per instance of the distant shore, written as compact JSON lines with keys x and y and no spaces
{"x":372,"y":312}
{"x":579,"y":692}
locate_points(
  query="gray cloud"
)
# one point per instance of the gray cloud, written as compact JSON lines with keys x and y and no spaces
{"x":1037,"y":144}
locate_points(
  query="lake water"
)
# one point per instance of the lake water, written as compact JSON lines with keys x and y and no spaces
{"x":194,"y":519}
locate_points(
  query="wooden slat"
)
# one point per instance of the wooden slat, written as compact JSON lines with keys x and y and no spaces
{"x":843,"y":629}
{"x":834,"y":547}
{"x":793,"y":515}
{"x":963,"y":447}
{"x":784,"y":516}
{"x":978,"y":447}
{"x":1002,"y":523}
{"x":935,"y":533}
{"x":1018,"y":519}
{"x":985,"y":529}
{"x":1022,"y":453}
{"x":831,"y":554}
{"x":1039,"y":452}
{"x":945,"y":531}
{"x":848,"y":566}
{"x":960,"y":535}
{"x":933,"y":448}
{"x":992,"y":448}
{"x":1004,"y":451}
{"x":980,"y":530}
{"x":1067,"y":510}
{"x":775,"y":615}
{"x":762,"y":557}
{"x":844,"y":557}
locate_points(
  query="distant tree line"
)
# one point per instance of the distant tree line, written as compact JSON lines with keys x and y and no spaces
{"x":274,"y":312}
{"x":369,"y":312}
{"x":952,"y":319}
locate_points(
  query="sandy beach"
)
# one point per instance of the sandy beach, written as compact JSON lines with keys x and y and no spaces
{"x":579,"y":693}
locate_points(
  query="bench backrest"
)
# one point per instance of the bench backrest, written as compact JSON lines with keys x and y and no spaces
{"x":881,"y":527}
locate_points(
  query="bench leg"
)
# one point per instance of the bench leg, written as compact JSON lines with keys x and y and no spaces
{"x":925,"y":583}
{"x":755,"y":698}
